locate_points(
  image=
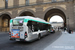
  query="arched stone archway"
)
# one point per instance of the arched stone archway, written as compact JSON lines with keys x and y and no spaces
{"x":26,"y":13}
{"x":53,"y":12}
{"x":4,"y":22}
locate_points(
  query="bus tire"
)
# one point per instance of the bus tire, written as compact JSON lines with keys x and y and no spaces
{"x":39,"y":36}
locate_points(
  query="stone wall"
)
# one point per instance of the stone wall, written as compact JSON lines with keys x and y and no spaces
{"x":10,"y":3}
{"x":40,"y":10}
{"x":2,"y":4}
{"x":22,"y":2}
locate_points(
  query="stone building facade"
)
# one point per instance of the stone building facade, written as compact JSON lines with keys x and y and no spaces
{"x":44,"y":9}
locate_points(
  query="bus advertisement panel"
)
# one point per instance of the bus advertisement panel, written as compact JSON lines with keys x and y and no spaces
{"x":15,"y":33}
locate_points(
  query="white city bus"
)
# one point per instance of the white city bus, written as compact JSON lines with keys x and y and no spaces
{"x":27,"y":28}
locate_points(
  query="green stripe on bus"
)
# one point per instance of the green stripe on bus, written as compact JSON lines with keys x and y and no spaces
{"x":26,"y":20}
{"x":11,"y":21}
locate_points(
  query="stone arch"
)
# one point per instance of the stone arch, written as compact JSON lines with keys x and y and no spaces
{"x":6,"y":13}
{"x":4,"y":22}
{"x":59,"y":15}
{"x":28,"y":12}
{"x":56,"y":7}
{"x":55,"y":11}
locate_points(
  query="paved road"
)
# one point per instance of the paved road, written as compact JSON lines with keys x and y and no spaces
{"x":6,"y":44}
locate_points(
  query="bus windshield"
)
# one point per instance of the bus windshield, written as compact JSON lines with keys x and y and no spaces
{"x":18,"y":22}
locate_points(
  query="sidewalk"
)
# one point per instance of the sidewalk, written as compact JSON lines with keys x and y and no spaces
{"x":3,"y":32}
{"x":65,"y":42}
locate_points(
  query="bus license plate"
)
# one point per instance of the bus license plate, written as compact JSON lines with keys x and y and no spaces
{"x":17,"y":39}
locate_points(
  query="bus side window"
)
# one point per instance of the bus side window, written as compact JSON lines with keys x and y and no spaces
{"x":32,"y":28}
{"x":35,"y":26}
{"x":29,"y":24}
{"x":40,"y":25}
{"x":46,"y":26}
{"x":38,"y":28}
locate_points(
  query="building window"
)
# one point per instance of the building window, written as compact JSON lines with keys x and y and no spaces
{"x":27,"y":2}
{"x":54,"y":0}
{"x":6,"y":3}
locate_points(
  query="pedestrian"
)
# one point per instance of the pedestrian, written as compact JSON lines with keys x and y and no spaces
{"x":58,"y":28}
{"x":64,"y":29}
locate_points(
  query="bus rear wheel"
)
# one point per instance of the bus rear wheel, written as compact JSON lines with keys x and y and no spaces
{"x":39,"y":36}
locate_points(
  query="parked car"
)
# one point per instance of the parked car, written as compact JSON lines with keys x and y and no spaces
{"x":52,"y":30}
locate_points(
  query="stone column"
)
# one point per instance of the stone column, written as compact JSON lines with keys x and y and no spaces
{"x":0,"y":23}
{"x":74,"y":12}
{"x":14,"y":13}
{"x":70,"y":16}
{"x":16,"y":3}
{"x":39,"y":1}
{"x":39,"y":12}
